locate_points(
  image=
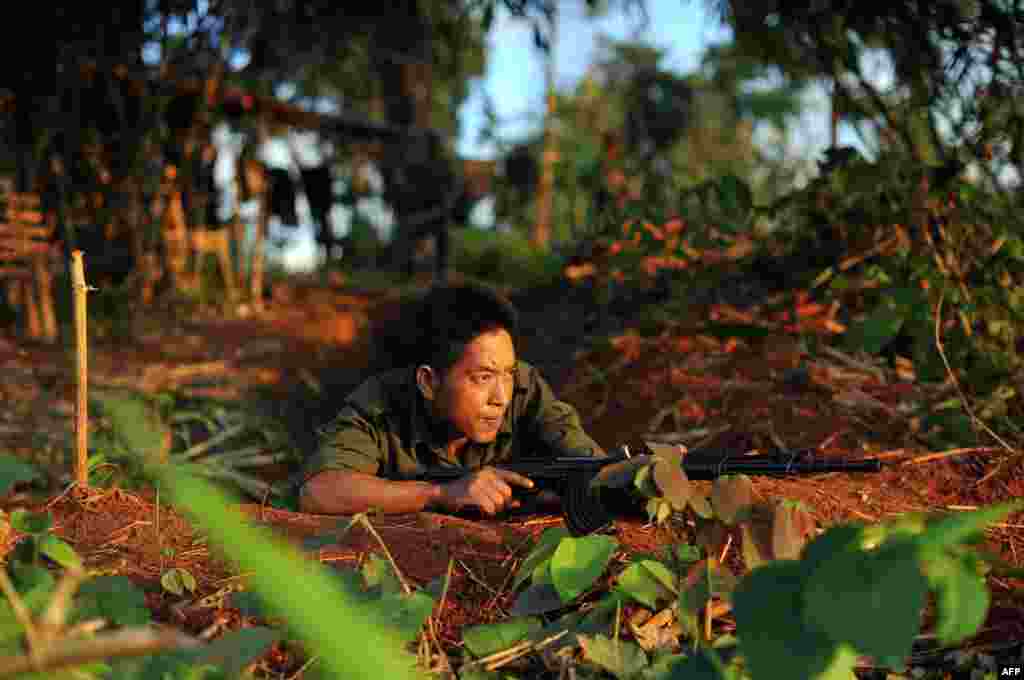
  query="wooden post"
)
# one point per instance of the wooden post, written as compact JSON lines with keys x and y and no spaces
{"x":175,"y":231}
{"x":256,"y":184}
{"x":79,"y":289}
{"x":237,"y":227}
{"x":33,"y":320}
{"x":259,"y":239}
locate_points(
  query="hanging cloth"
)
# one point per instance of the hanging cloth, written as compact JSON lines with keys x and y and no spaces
{"x":319,"y":188}
{"x":282,"y":197}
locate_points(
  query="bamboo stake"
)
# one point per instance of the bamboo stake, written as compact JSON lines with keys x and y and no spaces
{"x":79,"y":289}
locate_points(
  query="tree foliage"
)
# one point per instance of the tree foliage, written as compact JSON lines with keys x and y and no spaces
{"x":954,"y":95}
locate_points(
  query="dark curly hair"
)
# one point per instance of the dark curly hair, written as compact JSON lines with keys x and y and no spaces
{"x":451,"y":316}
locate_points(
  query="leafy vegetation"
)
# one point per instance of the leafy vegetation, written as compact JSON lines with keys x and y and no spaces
{"x":919,"y":247}
{"x":851,"y":591}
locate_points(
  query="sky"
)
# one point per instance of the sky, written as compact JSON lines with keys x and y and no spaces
{"x":515,"y":82}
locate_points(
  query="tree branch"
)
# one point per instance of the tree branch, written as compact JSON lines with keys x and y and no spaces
{"x":76,"y":652}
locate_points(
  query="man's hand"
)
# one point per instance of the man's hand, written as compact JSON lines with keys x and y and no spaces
{"x":489,"y":489}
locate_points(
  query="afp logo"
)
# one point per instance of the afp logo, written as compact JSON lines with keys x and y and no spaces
{"x":1011,"y":671}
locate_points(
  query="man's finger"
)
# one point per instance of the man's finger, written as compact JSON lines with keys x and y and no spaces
{"x":514,"y":478}
{"x":491,"y":501}
{"x":491,"y":506}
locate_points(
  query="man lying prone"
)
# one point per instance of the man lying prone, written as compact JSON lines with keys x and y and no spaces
{"x":467,"y":401}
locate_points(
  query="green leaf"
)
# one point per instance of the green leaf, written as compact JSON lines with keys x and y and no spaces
{"x":653,"y":505}
{"x":179,"y":665}
{"x":644,"y":482}
{"x":721,"y":580}
{"x":317,"y":541}
{"x":14,"y":471}
{"x":731,"y":495}
{"x":493,"y":637}
{"x":542,"y":574}
{"x":488,"y":17}
{"x":698,"y":666}
{"x":406,"y":613}
{"x":605,"y":610}
{"x":379,"y":574}
{"x":579,"y":562}
{"x":776,"y":640}
{"x":171,"y":582}
{"x":31,"y":523}
{"x":135,"y":423}
{"x":539,"y":598}
{"x":622,"y":659}
{"x":59,"y":551}
{"x":961,"y":598}
{"x":962,"y":526}
{"x":322,"y":613}
{"x":687,"y":553}
{"x":662,"y":573}
{"x":876,"y":331}
{"x":880,"y":594}
{"x":238,"y":649}
{"x":34,"y":584}
{"x":542,"y":552}
{"x":694,"y":596}
{"x":640,"y":584}
{"x":837,"y":542}
{"x":735,"y":196}
{"x":114,"y":598}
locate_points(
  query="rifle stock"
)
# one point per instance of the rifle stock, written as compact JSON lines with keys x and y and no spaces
{"x":571,"y":476}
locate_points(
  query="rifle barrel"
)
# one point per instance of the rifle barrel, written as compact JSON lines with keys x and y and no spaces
{"x":698,"y":468}
{"x":710,"y":468}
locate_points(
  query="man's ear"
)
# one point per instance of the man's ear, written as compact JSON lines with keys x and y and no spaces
{"x":426,"y":381}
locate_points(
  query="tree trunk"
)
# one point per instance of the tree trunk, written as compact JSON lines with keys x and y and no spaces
{"x":43,"y":280}
{"x":540,"y":236}
{"x":257,"y":184}
{"x":175,"y":234}
{"x":405,"y":66}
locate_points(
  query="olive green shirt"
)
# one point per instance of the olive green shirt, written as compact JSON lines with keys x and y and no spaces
{"x":385,"y":429}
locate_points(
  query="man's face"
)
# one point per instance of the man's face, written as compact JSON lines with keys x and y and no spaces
{"x":477,"y":390}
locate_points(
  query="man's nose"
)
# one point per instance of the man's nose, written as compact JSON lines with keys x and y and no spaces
{"x":501,"y":393}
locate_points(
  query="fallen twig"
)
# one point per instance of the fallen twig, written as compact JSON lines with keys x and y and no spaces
{"x":963,"y":397}
{"x":854,"y":363}
{"x":929,"y":457}
{"x":219,"y":438}
{"x":495,"y":661}
{"x":365,"y":521}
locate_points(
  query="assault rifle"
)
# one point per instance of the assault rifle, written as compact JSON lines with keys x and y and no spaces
{"x":580,"y":481}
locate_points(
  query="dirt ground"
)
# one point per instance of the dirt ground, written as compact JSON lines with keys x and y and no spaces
{"x":706,"y":391}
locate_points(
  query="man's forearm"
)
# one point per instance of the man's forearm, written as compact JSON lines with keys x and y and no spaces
{"x":336,"y":492}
